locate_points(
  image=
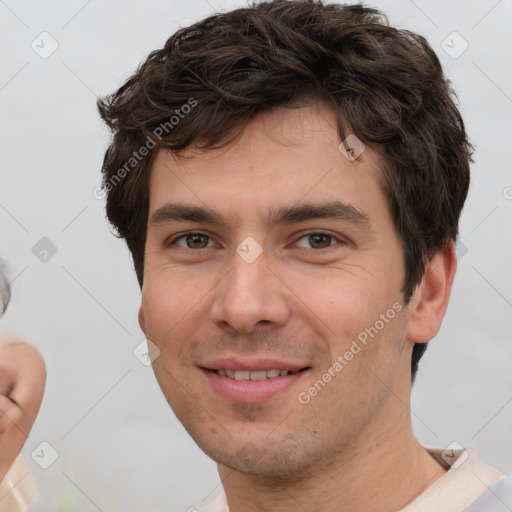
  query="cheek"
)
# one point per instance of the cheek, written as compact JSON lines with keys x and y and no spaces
{"x":341,"y":303}
{"x":167,"y":300}
{"x":348,"y":309}
{"x":173,"y":315}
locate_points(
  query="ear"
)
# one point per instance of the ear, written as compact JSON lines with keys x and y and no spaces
{"x":430,"y":298}
{"x":142,"y":320}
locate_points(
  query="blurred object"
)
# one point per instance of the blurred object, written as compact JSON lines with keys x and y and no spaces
{"x":22,"y":383}
{"x":5,"y":288}
{"x":18,"y":490}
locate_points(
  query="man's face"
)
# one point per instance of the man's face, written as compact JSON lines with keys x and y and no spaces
{"x":273,"y":286}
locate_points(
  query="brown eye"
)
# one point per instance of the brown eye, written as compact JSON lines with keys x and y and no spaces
{"x":196,"y":241}
{"x":193,"y":241}
{"x":318,"y":241}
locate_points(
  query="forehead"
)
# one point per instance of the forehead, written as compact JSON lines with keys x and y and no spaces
{"x":282,"y":157}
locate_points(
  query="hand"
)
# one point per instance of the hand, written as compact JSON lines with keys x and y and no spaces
{"x":22,"y":382}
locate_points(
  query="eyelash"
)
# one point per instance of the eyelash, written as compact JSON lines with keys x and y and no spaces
{"x":191,"y":233}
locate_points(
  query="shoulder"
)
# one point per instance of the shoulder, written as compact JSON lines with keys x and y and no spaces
{"x":219,"y":504}
{"x":496,"y":498}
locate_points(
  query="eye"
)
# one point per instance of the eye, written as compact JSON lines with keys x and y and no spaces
{"x":192,"y":240}
{"x":318,"y":240}
{"x":198,"y":240}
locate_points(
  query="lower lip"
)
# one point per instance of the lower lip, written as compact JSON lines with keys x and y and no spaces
{"x":251,"y":391}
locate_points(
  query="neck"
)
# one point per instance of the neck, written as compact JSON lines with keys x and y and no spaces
{"x":382,"y":470}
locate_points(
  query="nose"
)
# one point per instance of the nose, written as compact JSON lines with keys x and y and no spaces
{"x":250,"y":295}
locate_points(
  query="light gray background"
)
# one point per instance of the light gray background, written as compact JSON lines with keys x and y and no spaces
{"x":119,"y":446}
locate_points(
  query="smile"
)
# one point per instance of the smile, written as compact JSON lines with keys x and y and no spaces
{"x":252,"y":375}
{"x":253,"y":386}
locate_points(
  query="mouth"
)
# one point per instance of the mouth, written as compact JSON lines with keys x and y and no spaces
{"x":255,"y":375}
{"x":253,"y":385}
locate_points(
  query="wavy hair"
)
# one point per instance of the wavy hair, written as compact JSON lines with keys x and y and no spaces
{"x":385,"y":84}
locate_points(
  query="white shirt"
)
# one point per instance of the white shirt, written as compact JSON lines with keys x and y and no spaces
{"x":468,"y":481}
{"x":18,"y":490}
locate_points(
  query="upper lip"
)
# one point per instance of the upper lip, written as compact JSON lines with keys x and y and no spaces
{"x":251,"y":365}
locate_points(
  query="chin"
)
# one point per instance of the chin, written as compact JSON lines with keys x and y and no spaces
{"x":269,"y":461}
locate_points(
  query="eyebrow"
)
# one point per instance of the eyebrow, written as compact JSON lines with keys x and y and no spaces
{"x":335,"y":210}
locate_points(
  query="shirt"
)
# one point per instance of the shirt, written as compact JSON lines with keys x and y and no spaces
{"x":469,"y":485}
{"x":18,"y":490}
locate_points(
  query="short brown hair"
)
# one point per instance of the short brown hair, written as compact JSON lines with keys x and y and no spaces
{"x":385,"y":84}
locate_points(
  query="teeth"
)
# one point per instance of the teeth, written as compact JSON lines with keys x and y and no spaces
{"x":256,"y":375}
{"x":259,"y":375}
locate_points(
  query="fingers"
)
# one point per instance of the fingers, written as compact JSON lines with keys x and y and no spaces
{"x":24,"y":376}
{"x":12,"y":435}
{"x":22,"y":382}
{"x":10,"y":414}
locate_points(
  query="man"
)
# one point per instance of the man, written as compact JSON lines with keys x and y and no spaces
{"x":316,"y":157}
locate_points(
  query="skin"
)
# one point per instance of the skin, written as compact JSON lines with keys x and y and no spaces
{"x":22,"y":382}
{"x":303,"y":300}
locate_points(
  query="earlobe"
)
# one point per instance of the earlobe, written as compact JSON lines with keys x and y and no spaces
{"x":142,"y":321}
{"x":430,"y":299}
